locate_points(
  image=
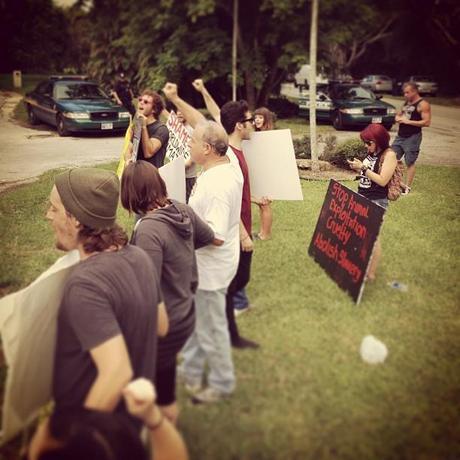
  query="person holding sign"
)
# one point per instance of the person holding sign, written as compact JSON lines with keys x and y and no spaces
{"x":376,"y":172}
{"x":169,"y":232}
{"x":154,"y":134}
{"x":264,"y":121}
{"x":111,"y":308}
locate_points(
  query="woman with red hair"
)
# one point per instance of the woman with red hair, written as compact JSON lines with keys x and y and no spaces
{"x":375,"y":173}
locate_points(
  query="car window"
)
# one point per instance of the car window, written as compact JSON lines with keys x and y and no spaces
{"x":78,"y":91}
{"x":422,"y":78}
{"x":44,"y":88}
{"x":351,"y":92}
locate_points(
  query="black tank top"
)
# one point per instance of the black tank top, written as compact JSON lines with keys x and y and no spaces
{"x":369,"y":189}
{"x":410,"y":111}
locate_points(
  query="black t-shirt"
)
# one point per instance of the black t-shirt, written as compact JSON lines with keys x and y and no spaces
{"x":109,"y":293}
{"x":369,"y":189}
{"x":156,"y":130}
{"x":410,"y":111}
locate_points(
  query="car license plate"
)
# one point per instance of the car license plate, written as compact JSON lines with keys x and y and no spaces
{"x":106,"y":125}
{"x":376,"y":119}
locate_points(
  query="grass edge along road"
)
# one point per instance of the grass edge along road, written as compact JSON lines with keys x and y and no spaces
{"x":306,"y":394}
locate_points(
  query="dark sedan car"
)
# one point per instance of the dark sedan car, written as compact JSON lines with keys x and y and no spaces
{"x":349,"y":105}
{"x":74,"y":104}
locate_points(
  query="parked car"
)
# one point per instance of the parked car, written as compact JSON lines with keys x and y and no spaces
{"x":74,"y":104}
{"x":426,"y":85}
{"x":348,"y":105}
{"x":378,"y":83}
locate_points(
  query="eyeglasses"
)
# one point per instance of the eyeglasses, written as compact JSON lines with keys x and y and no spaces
{"x":368,"y":143}
{"x":251,"y":120}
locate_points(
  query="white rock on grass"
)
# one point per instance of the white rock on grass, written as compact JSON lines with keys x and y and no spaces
{"x":372,"y":350}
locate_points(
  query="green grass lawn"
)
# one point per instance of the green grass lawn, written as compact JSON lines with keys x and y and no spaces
{"x":29,"y":82}
{"x":306,"y":394}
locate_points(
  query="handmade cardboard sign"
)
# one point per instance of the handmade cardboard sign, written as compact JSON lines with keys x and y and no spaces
{"x":28,"y":321}
{"x":137,"y":135}
{"x":173,"y":173}
{"x":272,"y":165}
{"x":344,"y":237}
{"x":179,"y":137}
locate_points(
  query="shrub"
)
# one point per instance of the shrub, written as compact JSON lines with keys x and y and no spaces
{"x":282,"y":107}
{"x":302,"y":147}
{"x":353,"y":148}
{"x":330,"y":145}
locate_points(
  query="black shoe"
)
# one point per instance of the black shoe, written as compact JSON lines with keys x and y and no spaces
{"x":241,"y":343}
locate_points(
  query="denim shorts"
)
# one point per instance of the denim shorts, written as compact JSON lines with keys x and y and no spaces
{"x":383,"y":202}
{"x":409,"y":147}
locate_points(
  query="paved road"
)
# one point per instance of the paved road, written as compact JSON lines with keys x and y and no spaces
{"x":27,"y":153}
{"x":441,"y":141}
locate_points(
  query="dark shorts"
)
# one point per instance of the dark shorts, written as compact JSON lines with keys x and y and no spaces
{"x":409,"y":147}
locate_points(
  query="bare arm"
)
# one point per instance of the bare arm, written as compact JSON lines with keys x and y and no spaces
{"x":211,"y":104}
{"x":150,"y":145}
{"x":167,"y":443}
{"x":163,"y":320}
{"x":425,"y":113}
{"x":192,"y":115}
{"x":113,"y":373}
{"x":245,"y":239}
{"x":388,"y":168}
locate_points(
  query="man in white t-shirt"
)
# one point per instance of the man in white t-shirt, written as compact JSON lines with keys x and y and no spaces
{"x":216,"y":198}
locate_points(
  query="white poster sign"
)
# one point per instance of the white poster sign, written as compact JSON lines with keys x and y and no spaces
{"x":173,"y":174}
{"x":272,"y":165}
{"x":28,"y":321}
{"x":179,"y":137}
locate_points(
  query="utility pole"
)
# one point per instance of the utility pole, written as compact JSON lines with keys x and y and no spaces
{"x":312,"y":84}
{"x":234,"y":47}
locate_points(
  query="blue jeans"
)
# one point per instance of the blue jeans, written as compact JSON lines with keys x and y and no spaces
{"x":240,"y":300}
{"x":210,"y":343}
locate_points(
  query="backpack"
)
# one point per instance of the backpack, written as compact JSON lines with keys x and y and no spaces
{"x":394,"y":185}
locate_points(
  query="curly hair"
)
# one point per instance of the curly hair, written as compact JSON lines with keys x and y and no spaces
{"x":157,"y":102}
{"x":99,"y":240}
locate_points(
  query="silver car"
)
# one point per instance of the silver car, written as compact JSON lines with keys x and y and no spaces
{"x":425,"y":85}
{"x":378,"y":83}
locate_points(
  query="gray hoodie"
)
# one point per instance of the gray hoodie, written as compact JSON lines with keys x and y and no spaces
{"x":170,"y":236}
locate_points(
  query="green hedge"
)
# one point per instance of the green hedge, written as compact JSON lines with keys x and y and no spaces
{"x":334,"y":153}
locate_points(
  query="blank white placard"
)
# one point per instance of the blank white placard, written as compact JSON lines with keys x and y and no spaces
{"x":272,"y":165}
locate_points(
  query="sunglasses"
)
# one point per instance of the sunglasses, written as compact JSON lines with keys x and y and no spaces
{"x":145,"y":101}
{"x":251,"y":120}
{"x":369,"y":142}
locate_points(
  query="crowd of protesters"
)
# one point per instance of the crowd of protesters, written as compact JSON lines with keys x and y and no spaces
{"x":140,"y":312}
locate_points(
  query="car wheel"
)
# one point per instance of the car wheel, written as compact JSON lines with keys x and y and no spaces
{"x":61,"y":129}
{"x":337,"y":121}
{"x":33,"y":120}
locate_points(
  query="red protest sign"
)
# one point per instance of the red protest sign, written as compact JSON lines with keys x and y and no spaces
{"x":344,"y":237}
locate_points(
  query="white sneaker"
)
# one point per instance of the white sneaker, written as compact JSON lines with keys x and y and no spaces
{"x":209,"y":395}
{"x":240,"y":311}
{"x":406,"y":191}
{"x":190,"y":386}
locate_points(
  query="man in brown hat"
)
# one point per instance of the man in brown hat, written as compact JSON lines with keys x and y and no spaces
{"x":109,"y":314}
